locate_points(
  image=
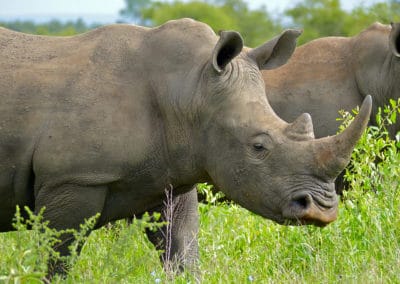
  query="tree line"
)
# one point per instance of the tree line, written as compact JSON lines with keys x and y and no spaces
{"x":53,"y":27}
{"x":317,"y":18}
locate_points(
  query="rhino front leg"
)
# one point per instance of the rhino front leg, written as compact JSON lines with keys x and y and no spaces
{"x":178,"y":239}
{"x":67,"y":207}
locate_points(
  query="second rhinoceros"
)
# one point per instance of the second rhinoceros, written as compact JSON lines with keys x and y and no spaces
{"x":103,"y":122}
{"x":334,"y":73}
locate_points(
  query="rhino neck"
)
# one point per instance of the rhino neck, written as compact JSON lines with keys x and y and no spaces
{"x":178,"y":52}
{"x":376,"y":68}
{"x":173,"y":98}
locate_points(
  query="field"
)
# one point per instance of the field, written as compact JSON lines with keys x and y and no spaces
{"x":236,"y":246}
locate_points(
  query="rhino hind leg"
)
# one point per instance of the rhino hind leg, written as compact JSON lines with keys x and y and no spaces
{"x":66,"y":207}
{"x":178,"y":242}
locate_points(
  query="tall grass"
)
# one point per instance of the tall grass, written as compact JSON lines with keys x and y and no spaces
{"x":236,"y":246}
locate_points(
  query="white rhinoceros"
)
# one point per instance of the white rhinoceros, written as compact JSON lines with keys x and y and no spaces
{"x":103,"y":122}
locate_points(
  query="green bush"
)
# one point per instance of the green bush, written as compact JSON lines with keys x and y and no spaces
{"x":31,"y":248}
{"x":375,"y":160}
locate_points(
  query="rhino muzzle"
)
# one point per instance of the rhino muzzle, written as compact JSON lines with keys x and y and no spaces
{"x":305,"y":209}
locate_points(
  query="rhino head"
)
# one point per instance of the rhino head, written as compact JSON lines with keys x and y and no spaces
{"x":275,"y":169}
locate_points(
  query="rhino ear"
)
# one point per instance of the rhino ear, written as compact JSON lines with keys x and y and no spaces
{"x":229,"y":45}
{"x":277,"y":51}
{"x":394,"y":39}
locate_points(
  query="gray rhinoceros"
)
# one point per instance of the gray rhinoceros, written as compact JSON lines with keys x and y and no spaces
{"x":334,"y":73}
{"x":105,"y":121}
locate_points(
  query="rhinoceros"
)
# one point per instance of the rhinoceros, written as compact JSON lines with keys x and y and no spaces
{"x":333,"y":73}
{"x":105,"y":121}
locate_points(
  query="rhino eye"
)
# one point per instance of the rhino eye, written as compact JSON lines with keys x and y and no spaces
{"x":261,"y":146}
{"x":258,"y":147}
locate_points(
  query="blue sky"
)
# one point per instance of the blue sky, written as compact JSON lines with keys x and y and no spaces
{"x":106,"y":11}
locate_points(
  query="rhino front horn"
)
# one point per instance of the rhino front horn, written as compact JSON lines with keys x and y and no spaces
{"x":332,"y":154}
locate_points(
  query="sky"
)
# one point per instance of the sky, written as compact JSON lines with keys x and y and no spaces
{"x":107,"y":11}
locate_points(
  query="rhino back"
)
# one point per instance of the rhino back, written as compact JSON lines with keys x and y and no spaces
{"x":72,"y":109}
{"x":99,"y":108}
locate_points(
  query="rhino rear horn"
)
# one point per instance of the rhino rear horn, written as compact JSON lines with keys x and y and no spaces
{"x":277,"y":51}
{"x":332,"y":154}
{"x":229,"y":45}
{"x":301,"y":129}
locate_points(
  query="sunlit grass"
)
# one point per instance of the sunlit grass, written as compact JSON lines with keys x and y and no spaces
{"x":238,"y":247}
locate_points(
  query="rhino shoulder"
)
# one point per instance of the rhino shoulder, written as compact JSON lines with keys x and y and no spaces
{"x":187,"y":28}
{"x":378,"y":26}
{"x":377,"y":29}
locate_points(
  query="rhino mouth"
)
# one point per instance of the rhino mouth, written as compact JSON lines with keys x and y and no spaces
{"x":311,"y":209}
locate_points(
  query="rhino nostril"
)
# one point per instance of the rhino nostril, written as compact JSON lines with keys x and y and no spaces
{"x":303,"y":208}
{"x":301,"y":202}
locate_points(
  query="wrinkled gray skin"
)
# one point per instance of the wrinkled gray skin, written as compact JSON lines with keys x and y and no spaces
{"x":334,"y":73}
{"x":105,"y":121}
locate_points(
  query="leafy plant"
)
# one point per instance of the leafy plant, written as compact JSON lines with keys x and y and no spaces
{"x":28,"y":262}
{"x":33,"y":247}
{"x":376,"y":156}
{"x":210,"y":195}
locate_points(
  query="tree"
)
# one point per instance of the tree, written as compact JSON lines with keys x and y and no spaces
{"x":159,"y":13}
{"x":362,"y":17}
{"x":133,"y":10}
{"x":255,"y":26}
{"x":53,"y":27}
{"x":318,"y":18}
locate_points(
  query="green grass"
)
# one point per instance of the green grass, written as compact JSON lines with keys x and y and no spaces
{"x":236,"y":246}
{"x":363,"y":245}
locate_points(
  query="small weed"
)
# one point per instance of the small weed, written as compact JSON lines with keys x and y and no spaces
{"x":210,"y":195}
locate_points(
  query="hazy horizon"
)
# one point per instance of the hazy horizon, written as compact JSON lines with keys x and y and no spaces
{"x":106,"y":11}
